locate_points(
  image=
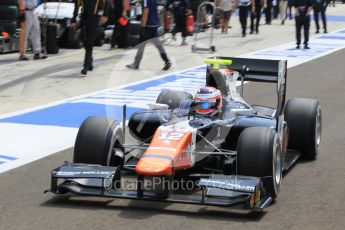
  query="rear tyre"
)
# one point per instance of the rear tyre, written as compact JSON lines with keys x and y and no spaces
{"x":304,"y":119}
{"x":172,"y":98}
{"x":259,"y":155}
{"x":98,"y":142}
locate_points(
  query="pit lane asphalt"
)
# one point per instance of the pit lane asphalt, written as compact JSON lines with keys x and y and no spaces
{"x":311,"y":197}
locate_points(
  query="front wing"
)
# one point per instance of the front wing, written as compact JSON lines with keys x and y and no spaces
{"x":213,"y":190}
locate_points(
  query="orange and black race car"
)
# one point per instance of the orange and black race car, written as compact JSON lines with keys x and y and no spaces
{"x":234,"y":157}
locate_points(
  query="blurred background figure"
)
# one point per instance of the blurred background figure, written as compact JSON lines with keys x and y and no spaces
{"x":245,"y":7}
{"x":320,"y":7}
{"x":120,"y":11}
{"x":225,"y":10}
{"x":21,"y":7}
{"x":332,"y":2}
{"x":302,"y":18}
{"x":275,"y":8}
{"x":268,"y":12}
{"x":149,"y":33}
{"x":180,"y":9}
{"x":283,"y":10}
{"x":290,"y":4}
{"x":32,"y":30}
{"x":256,"y":15}
{"x":93,"y":13}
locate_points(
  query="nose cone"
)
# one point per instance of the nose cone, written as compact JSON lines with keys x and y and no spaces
{"x":154,"y":166}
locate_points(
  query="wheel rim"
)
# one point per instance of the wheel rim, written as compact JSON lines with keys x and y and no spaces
{"x":277,"y":166}
{"x":318,"y":128}
{"x":114,"y":146}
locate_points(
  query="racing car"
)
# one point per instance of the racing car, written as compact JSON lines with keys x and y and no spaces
{"x":213,"y":148}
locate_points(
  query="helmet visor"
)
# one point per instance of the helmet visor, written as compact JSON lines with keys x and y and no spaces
{"x":205,"y":105}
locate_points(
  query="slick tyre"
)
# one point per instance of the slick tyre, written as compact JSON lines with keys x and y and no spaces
{"x":98,"y":142}
{"x":51,"y":39}
{"x":259,"y":155}
{"x":8,"y":13}
{"x":304,"y":119}
{"x":172,"y":98}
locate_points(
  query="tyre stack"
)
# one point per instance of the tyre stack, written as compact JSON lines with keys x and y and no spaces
{"x":51,"y":39}
{"x":134,"y":33}
{"x":8,"y":16}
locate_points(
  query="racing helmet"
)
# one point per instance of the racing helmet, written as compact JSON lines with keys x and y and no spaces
{"x":208,"y":101}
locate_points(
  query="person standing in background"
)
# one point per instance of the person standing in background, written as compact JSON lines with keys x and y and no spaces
{"x":268,"y":12}
{"x":120,"y":10}
{"x":225,"y":7}
{"x":275,"y":4}
{"x":93,"y":12}
{"x":21,"y":7}
{"x":302,"y":18}
{"x":282,"y":10}
{"x":290,"y":4}
{"x":320,"y":7}
{"x":245,"y":7}
{"x":32,"y":29}
{"x":180,"y":9}
{"x":149,"y":28}
{"x":256,"y":15}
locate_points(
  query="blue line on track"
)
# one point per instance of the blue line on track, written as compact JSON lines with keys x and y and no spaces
{"x":8,"y":158}
{"x":68,"y":114}
{"x":331,"y":37}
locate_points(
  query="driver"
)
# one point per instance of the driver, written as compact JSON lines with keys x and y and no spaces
{"x":208,"y":101}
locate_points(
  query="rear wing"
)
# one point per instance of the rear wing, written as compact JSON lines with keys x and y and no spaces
{"x":252,"y":70}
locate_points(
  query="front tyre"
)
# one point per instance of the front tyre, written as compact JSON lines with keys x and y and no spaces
{"x":99,"y":141}
{"x":259,"y":155}
{"x":304,"y":119}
